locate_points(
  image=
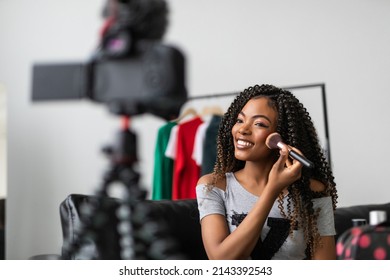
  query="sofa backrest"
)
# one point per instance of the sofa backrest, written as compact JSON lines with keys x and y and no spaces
{"x":180,"y":222}
{"x":180,"y":218}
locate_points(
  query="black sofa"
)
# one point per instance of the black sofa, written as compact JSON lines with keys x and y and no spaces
{"x":2,"y":228}
{"x":179,"y":219}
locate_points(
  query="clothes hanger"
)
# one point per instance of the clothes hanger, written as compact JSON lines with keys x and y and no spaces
{"x":212,"y":110}
{"x":187,"y":112}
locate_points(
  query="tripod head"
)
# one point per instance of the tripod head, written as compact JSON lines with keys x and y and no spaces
{"x":122,"y":155}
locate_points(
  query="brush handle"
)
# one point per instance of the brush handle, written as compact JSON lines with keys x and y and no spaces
{"x":301,"y":159}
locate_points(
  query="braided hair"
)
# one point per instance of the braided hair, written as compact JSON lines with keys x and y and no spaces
{"x":296,"y":129}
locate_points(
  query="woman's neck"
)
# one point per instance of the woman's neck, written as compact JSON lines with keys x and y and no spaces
{"x":254,"y":176}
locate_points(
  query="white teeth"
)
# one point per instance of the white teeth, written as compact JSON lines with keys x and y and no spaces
{"x":244,"y":143}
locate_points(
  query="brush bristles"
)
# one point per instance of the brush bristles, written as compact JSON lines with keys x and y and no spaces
{"x":272,"y":140}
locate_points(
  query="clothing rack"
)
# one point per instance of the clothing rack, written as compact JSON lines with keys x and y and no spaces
{"x":323,"y":101}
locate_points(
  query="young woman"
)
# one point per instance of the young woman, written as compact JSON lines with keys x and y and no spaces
{"x":259,"y":203}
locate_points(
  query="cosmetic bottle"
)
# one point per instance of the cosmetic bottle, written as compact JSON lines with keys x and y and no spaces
{"x":377,"y":217}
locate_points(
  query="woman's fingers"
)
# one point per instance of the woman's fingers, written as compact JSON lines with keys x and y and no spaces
{"x":293,"y":166}
{"x":283,"y":158}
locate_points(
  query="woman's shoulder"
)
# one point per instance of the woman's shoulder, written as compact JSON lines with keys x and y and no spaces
{"x":212,"y":180}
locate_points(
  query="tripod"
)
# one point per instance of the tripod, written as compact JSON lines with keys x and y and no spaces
{"x":142,"y":235}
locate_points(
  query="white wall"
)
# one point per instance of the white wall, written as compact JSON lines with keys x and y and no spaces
{"x":3,"y":143}
{"x":53,"y":148}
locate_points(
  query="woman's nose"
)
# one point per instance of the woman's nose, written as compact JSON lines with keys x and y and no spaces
{"x":244,"y":130}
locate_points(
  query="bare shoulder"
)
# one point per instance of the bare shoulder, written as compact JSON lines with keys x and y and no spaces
{"x":316,"y":186}
{"x":206,"y":179}
{"x":209,"y":179}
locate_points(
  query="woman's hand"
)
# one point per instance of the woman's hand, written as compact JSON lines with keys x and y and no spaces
{"x":285,"y":170}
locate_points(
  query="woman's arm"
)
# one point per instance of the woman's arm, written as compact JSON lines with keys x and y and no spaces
{"x":327,"y":249}
{"x":220,"y":244}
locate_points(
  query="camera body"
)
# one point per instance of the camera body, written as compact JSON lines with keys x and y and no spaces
{"x":150,"y":80}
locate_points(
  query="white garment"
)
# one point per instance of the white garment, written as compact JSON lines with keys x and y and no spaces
{"x":170,"y":150}
{"x":197,"y":153}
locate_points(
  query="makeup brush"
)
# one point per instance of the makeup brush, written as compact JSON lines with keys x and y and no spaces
{"x":274,"y":141}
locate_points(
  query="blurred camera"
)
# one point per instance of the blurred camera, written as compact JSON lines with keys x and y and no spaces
{"x":131,"y":71}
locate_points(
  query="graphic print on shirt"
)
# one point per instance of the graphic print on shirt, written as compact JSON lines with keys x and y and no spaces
{"x":276,"y":236}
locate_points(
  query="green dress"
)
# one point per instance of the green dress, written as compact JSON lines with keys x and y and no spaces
{"x":163,"y":166}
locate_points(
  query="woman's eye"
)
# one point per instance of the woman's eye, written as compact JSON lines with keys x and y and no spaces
{"x":261,"y":124}
{"x":238,"y":121}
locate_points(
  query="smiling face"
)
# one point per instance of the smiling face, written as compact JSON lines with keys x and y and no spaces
{"x":255,"y":122}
